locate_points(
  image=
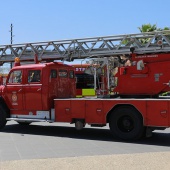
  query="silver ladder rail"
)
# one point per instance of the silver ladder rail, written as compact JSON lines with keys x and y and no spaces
{"x":148,"y":42}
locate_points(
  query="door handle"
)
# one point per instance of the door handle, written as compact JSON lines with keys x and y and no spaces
{"x":19,"y":90}
{"x":39,"y":89}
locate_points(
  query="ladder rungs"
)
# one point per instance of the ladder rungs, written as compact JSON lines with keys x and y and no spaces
{"x":88,"y":47}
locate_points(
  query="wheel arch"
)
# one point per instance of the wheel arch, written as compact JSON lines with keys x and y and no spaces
{"x":120,"y":106}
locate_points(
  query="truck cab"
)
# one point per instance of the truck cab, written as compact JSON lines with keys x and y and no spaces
{"x":30,"y":89}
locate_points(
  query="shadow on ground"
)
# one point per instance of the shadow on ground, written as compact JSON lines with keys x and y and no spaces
{"x":158,"y":138}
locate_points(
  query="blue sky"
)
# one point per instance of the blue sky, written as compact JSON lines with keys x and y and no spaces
{"x":46,"y":20}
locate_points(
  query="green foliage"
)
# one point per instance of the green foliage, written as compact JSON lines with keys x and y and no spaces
{"x":147,"y":28}
{"x":125,"y":42}
{"x":164,"y":29}
{"x":150,"y":28}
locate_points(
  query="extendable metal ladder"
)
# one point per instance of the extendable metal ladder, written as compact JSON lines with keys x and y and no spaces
{"x":148,"y":42}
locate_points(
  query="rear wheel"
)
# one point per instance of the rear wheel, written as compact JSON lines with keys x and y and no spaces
{"x":126,"y":123}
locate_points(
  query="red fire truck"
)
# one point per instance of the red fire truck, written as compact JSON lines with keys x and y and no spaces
{"x":45,"y":91}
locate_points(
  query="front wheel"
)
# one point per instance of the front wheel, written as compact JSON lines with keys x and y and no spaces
{"x":2,"y":117}
{"x":126,"y":123}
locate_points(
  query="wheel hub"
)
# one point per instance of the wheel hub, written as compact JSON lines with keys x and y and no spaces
{"x":125,"y":124}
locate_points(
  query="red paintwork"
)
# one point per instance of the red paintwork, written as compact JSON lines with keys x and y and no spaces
{"x":149,"y":81}
{"x":78,"y":92}
{"x":31,"y":97}
{"x":151,"y":58}
{"x":28,"y":98}
{"x":80,"y":68}
{"x":155,"y":112}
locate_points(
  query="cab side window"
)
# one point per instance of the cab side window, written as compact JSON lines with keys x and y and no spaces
{"x":63,"y":73}
{"x":15,"y":77}
{"x":53,"y":73}
{"x":34,"y":76}
{"x":71,"y":74}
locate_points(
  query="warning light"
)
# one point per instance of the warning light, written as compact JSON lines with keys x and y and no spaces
{"x":17,"y":61}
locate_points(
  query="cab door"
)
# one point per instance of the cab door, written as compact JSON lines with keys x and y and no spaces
{"x":14,"y":91}
{"x":53,"y":87}
{"x":33,"y":90}
{"x":63,"y":86}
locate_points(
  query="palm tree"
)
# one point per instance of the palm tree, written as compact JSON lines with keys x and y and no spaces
{"x":147,"y":28}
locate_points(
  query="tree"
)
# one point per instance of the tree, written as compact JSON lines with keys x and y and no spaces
{"x":148,"y":28}
{"x":164,"y":29}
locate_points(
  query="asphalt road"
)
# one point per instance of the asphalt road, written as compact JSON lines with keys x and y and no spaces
{"x":59,"y":140}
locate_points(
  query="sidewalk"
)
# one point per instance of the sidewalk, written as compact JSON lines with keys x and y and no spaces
{"x":142,"y":161}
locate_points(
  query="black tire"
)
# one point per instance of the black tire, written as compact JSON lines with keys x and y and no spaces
{"x":2,"y":118}
{"x":24,"y":123}
{"x":126,"y":123}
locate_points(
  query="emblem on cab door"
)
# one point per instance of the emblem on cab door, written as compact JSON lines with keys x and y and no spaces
{"x":14,"y":97}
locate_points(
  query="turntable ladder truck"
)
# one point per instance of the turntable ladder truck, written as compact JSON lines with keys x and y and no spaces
{"x":133,"y":110}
